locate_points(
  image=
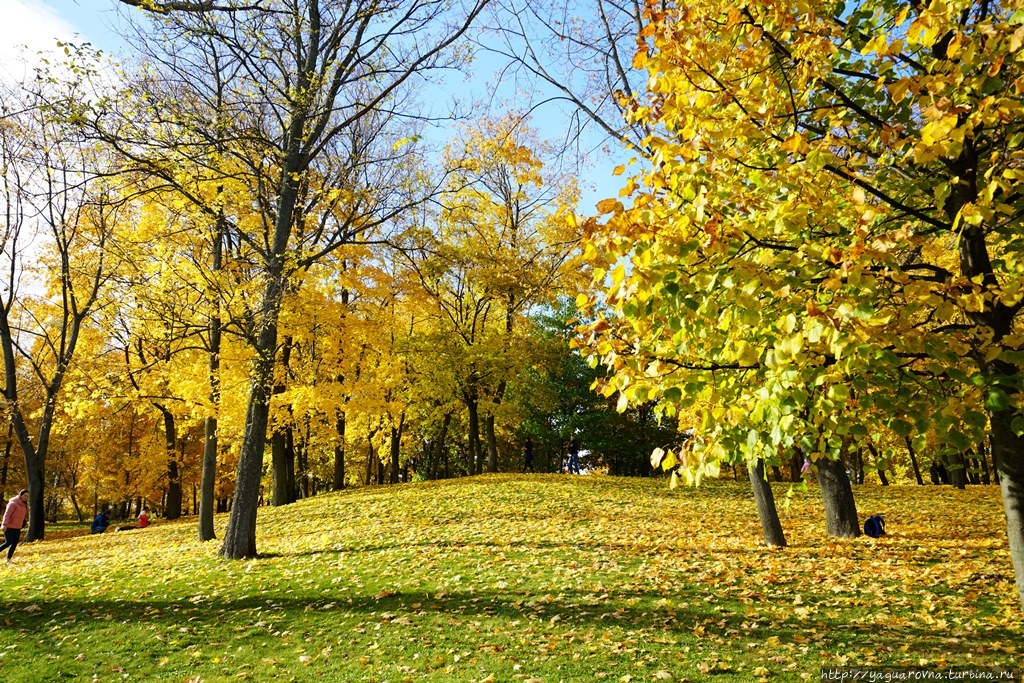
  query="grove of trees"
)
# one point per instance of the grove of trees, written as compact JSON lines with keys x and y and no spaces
{"x":248,"y":264}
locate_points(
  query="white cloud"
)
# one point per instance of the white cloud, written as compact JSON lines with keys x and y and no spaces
{"x":28,"y":27}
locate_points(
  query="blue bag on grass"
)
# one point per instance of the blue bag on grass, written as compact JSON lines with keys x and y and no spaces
{"x":874,"y":526}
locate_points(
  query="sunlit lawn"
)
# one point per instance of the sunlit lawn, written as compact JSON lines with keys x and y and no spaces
{"x":522,"y":578}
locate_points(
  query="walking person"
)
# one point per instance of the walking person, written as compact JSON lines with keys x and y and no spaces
{"x":574,"y":456}
{"x":528,"y":455}
{"x":14,"y":520}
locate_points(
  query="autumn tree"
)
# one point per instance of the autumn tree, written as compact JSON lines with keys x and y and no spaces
{"x":58,"y":215}
{"x":827,"y":247}
{"x":311,"y":86}
{"x":501,"y":247}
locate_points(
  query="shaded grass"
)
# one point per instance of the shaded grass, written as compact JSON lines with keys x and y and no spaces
{"x":518,"y":578}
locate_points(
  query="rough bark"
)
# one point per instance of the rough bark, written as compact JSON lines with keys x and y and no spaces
{"x":764,"y":499}
{"x":837,"y":496}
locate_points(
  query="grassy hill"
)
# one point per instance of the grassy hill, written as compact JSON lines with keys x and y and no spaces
{"x":522,"y":578}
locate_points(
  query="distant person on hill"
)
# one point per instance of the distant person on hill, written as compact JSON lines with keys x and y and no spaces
{"x":14,"y":520}
{"x":528,"y":456}
{"x":143,"y":522}
{"x":101,"y":522}
{"x":574,"y":456}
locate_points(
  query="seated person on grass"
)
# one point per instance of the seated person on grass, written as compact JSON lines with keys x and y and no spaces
{"x":100,"y":524}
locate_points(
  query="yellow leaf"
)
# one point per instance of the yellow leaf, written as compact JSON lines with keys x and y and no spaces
{"x":656,"y":456}
{"x":795,"y":144}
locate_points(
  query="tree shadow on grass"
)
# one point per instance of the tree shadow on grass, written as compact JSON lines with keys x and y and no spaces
{"x":686,"y":619}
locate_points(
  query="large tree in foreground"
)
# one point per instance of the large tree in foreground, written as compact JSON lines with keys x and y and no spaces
{"x":829,"y":245}
{"x":315,"y":87}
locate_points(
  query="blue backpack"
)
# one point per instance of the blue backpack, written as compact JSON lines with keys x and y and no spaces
{"x":874,"y":526}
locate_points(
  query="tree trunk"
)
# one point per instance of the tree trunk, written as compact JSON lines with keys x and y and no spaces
{"x":986,"y":478}
{"x":173,"y":508}
{"x":208,"y":485}
{"x":289,"y":461}
{"x":475,"y":457}
{"x":837,"y":496}
{"x":796,"y":465}
{"x":7,"y":459}
{"x":440,"y":449}
{"x":240,"y":538}
{"x":396,"y":449}
{"x":277,"y":460}
{"x":881,"y":476}
{"x":879,"y":465}
{"x":764,"y":499}
{"x":492,"y":444}
{"x":338,"y":482}
{"x":1008,"y":452}
{"x":913,"y":461}
{"x":370,"y":457}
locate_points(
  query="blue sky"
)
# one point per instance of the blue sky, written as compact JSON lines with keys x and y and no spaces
{"x":39,"y":24}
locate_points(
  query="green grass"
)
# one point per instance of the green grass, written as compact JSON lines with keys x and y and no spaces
{"x":522,"y":578}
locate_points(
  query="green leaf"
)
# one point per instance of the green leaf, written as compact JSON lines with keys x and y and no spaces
{"x":901,"y":427}
{"x":996,"y":399}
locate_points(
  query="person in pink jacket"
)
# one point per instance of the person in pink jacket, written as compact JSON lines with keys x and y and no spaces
{"x":14,"y":520}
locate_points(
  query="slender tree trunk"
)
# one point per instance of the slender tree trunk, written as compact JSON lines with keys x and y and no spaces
{"x":370,"y":457}
{"x":986,"y":478}
{"x":913,"y":461}
{"x":78,"y":510}
{"x":475,"y":457}
{"x":879,"y":465}
{"x":837,"y":496}
{"x":289,"y":461}
{"x":764,"y":499}
{"x":492,"y":444}
{"x":338,"y":482}
{"x":396,"y":449}
{"x":881,"y":476}
{"x":277,"y":461}
{"x":208,"y":486}
{"x":7,"y":459}
{"x":796,"y":464}
{"x":173,"y":506}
